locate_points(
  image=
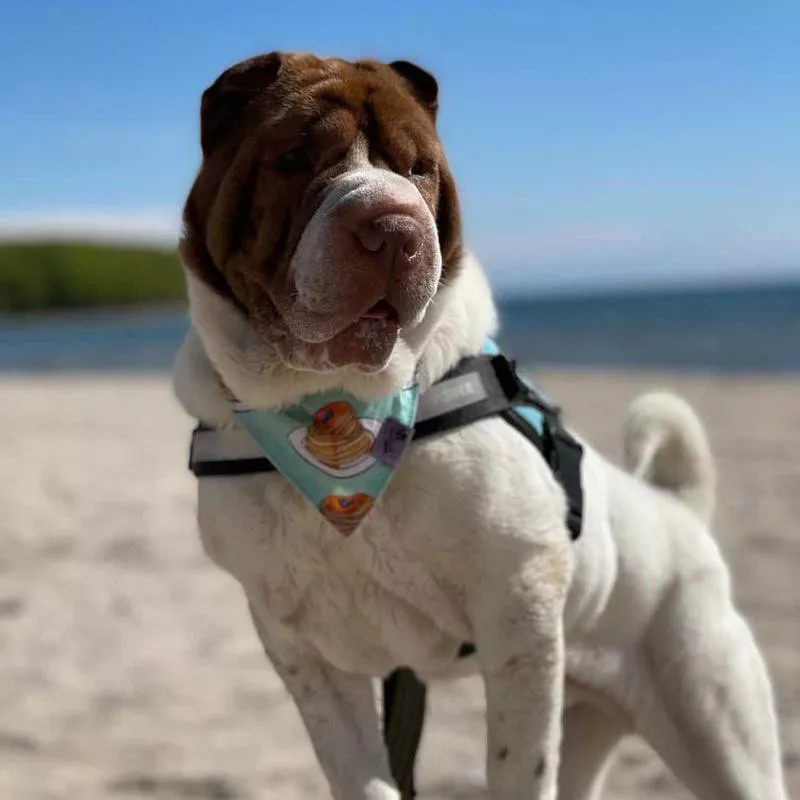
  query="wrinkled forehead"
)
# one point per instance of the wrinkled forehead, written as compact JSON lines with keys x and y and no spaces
{"x":318,"y":101}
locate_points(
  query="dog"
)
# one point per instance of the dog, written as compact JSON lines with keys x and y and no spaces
{"x":323,"y":250}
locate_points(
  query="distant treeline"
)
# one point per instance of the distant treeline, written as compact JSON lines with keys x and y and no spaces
{"x":41,"y":276}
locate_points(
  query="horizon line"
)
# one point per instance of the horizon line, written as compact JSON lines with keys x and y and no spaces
{"x":160,"y":228}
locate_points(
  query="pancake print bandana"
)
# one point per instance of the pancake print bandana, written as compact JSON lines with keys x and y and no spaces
{"x":339,"y":451}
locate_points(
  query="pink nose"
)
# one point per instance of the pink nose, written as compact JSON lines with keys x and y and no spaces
{"x":395,"y":239}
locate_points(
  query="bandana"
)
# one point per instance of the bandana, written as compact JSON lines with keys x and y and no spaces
{"x":339,"y":451}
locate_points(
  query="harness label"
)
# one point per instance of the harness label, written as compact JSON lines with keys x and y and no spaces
{"x":454,"y":393}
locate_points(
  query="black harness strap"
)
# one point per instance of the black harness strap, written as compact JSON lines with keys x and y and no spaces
{"x":404,"y":698}
{"x":501,"y":391}
{"x":488,"y":382}
{"x":207,"y":467}
{"x":491,"y":387}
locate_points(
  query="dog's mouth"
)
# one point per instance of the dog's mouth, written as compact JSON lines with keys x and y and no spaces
{"x":322,"y":327}
{"x":367,"y":342}
{"x":383,"y":311}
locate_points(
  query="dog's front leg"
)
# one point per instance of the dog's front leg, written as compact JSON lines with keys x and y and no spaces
{"x":340,"y":714}
{"x":519,"y":632}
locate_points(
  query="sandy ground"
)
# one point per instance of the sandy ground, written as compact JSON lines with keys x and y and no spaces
{"x":128,"y":667}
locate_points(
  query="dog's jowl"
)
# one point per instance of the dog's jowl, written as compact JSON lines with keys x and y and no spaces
{"x":324,"y":259}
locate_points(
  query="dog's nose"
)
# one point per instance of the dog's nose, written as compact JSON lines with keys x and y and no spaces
{"x":394,"y":238}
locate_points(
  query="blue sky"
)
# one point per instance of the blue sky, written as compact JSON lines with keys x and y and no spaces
{"x":593,"y":142}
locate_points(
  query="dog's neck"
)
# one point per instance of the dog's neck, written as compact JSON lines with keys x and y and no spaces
{"x":222,"y":348}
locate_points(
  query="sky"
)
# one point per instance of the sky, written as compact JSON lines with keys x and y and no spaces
{"x":593,"y":143}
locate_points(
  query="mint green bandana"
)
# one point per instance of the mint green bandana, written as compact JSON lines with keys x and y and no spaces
{"x":339,"y":451}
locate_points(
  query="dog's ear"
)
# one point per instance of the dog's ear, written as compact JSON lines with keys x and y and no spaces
{"x":421,"y":83}
{"x":230,"y":94}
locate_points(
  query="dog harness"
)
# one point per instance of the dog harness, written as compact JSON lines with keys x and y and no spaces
{"x":341,"y":453}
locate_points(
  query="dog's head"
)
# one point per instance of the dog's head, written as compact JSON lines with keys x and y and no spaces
{"x":324,"y":208}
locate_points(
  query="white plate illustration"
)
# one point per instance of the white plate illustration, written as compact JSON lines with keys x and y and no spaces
{"x":361,"y":464}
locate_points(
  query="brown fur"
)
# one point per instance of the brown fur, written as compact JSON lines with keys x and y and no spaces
{"x":275,"y":131}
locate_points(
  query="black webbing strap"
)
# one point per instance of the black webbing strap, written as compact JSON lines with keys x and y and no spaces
{"x":563,"y":455}
{"x":506,"y":393}
{"x":498,"y":390}
{"x":404,"y":696}
{"x":567,"y":455}
{"x":502,"y":389}
{"x":242,"y":466}
{"x":502,"y":393}
{"x":224,"y":467}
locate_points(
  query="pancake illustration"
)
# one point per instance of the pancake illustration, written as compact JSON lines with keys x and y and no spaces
{"x":337,"y":438}
{"x":346,"y":513}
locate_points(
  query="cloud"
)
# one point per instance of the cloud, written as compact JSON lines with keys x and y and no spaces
{"x":604,"y":255}
{"x":565,"y":244}
{"x":156,"y":227}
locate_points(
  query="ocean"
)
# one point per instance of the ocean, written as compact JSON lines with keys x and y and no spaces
{"x":732,"y":330}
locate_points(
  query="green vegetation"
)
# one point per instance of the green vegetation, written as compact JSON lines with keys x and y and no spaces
{"x":45,"y":276}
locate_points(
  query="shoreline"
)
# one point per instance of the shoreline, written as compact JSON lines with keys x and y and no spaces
{"x":10,"y":319}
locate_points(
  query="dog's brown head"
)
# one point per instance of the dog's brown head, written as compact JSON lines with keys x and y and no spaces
{"x":324,"y":208}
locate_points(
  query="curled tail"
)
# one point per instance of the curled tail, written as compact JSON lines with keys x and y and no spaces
{"x":665,"y":445}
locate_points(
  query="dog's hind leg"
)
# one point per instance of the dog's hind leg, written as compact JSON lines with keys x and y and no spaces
{"x":590,"y":738}
{"x":706,"y":704}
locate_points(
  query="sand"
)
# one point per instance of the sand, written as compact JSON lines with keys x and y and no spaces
{"x":128,"y":666}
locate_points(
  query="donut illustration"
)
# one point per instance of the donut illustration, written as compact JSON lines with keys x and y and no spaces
{"x":346,"y":513}
{"x":336,"y":438}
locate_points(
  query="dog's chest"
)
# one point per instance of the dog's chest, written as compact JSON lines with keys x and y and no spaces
{"x":395,"y":591}
{"x":392,"y":592}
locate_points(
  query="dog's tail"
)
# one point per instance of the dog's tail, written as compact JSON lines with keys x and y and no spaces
{"x":665,"y":445}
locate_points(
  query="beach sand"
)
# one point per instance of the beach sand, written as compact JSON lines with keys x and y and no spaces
{"x":128,"y":665}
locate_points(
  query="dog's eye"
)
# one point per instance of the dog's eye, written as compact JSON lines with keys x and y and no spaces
{"x":293,"y":161}
{"x":421,"y":167}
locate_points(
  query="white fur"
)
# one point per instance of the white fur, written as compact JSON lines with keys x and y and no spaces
{"x":258,"y":379}
{"x":469,"y":544}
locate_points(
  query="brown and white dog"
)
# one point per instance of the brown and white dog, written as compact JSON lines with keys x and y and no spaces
{"x":323,"y":249}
